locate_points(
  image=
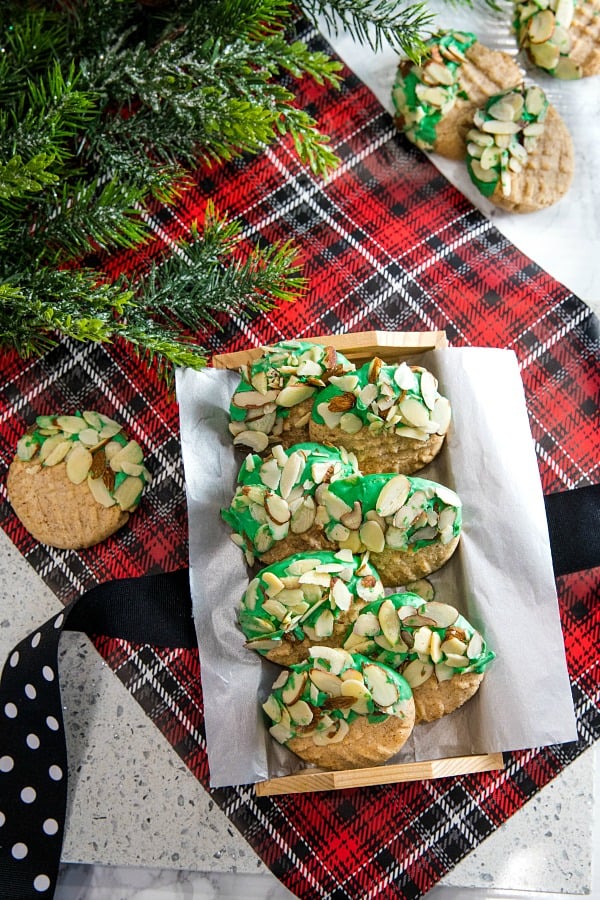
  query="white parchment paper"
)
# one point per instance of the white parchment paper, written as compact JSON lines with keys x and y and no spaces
{"x":500,"y":578}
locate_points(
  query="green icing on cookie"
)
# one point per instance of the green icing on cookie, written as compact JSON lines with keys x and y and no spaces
{"x":422,"y":94}
{"x":94,"y":449}
{"x":324,"y":695}
{"x":387,"y":511}
{"x":418,"y":638}
{"x":303,"y":595}
{"x":504,"y":133}
{"x":286,"y":374}
{"x":276,"y":496}
{"x":399,"y":399}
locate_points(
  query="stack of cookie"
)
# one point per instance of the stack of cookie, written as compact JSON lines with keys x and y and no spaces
{"x":331,"y":517}
{"x":468,"y":102}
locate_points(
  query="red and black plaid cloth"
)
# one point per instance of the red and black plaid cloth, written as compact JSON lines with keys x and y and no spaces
{"x":387,"y":244}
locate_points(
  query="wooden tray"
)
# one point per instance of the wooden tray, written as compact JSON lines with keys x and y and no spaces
{"x":392,"y":347}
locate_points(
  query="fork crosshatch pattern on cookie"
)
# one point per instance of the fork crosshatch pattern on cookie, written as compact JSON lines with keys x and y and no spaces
{"x":387,"y":244}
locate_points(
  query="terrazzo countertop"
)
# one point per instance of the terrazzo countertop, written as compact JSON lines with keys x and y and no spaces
{"x":165,"y":838}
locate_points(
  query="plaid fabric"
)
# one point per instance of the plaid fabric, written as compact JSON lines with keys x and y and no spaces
{"x":387,"y":243}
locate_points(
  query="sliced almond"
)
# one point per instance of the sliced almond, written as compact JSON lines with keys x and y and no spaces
{"x":342,"y":597}
{"x":335,"y":506}
{"x":443,"y":614}
{"x":294,"y":687}
{"x":540,"y":26}
{"x":256,"y":440}
{"x":422,"y":639}
{"x":383,"y":691}
{"x":303,"y":517}
{"x":128,"y":493}
{"x":389,"y":621}
{"x":291,"y":473}
{"x":71,"y":424}
{"x":392,"y":496}
{"x":475,"y":646}
{"x":100,"y":492}
{"x":372,"y":536}
{"x":333,"y":735}
{"x":327,"y":682}
{"x":248,"y":399}
{"x":93,"y":419}
{"x":300,"y":713}
{"x":356,"y":689}
{"x":417,"y":672}
{"x":414,"y":412}
{"x":277,"y":509}
{"x":352,"y":519}
{"x":545,"y":55}
{"x":293,"y":394}
{"x":272,"y":708}
{"x":350,"y":424}
{"x":58,"y":453}
{"x":494,"y":126}
{"x":50,"y":444}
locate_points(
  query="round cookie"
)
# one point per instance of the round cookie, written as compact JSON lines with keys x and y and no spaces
{"x":562,"y":38}
{"x":437,"y":650}
{"x":274,"y":508}
{"x":520,"y":153}
{"x":434,"y":102}
{"x":392,"y":417}
{"x":75,"y":479}
{"x":305,"y":599}
{"x":340,"y":710}
{"x":410,"y":526}
{"x":272,"y":403}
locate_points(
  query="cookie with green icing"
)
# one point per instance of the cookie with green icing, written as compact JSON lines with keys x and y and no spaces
{"x":304,"y":599}
{"x":76,"y":479}
{"x":392,"y":417}
{"x":340,"y":710}
{"x":273,"y":400}
{"x":434,"y":101}
{"x":441,"y":655}
{"x":274,"y":507}
{"x":409,"y":525}
{"x":520,"y":153}
{"x":560,"y":36}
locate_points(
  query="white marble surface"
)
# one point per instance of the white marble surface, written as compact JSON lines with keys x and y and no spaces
{"x":140,"y":827}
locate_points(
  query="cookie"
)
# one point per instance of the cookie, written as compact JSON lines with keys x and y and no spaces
{"x":340,"y":710}
{"x":273,"y":402}
{"x":563,"y":37}
{"x":75,"y":479}
{"x":436,"y":650}
{"x":305,"y":599}
{"x":274,"y":507}
{"x":391,"y":417}
{"x":520,"y":153}
{"x":434,"y":102}
{"x":409,"y":525}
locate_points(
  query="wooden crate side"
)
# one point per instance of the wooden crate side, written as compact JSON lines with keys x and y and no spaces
{"x":319,"y":780}
{"x":359,"y":347}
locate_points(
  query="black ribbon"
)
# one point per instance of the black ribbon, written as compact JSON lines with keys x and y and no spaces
{"x":157,"y":610}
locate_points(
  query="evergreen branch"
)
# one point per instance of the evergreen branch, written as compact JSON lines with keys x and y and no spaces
{"x":19,"y":179}
{"x":88,"y":214}
{"x":193,"y":284}
{"x":374,"y":22}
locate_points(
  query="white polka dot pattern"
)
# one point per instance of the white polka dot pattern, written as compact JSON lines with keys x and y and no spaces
{"x":33,"y":766}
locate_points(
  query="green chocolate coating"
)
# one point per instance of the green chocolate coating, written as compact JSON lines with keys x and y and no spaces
{"x":375,"y":646}
{"x":315,"y":698}
{"x":289,"y":356}
{"x":393,"y":383}
{"x":366,"y":489}
{"x":420,"y":117}
{"x":306,"y":605}
{"x":246,"y":514}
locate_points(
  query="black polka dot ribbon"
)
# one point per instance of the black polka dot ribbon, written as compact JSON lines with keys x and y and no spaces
{"x":33,"y":754}
{"x":155,"y":610}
